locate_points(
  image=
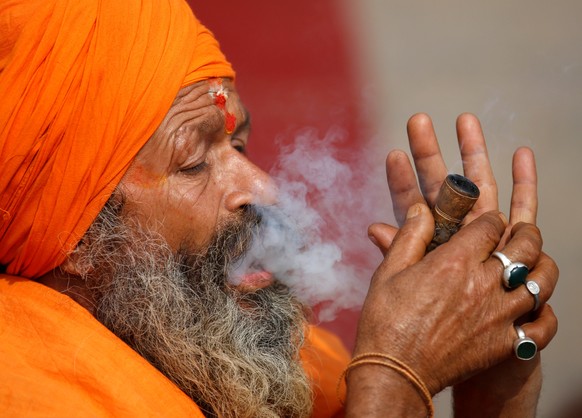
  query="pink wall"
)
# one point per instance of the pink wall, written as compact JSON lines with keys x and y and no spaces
{"x":292,"y":65}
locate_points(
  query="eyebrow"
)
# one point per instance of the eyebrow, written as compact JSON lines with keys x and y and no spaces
{"x":246,"y":124}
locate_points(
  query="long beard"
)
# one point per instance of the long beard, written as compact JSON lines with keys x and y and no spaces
{"x":235,"y":354}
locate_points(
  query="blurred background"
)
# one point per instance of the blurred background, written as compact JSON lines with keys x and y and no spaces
{"x":366,"y":66}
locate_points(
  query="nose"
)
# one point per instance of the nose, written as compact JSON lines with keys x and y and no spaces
{"x":250,"y":186}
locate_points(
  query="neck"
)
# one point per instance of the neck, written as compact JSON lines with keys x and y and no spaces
{"x":70,"y":285}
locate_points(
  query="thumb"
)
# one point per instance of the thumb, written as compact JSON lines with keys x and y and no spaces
{"x":382,"y":236}
{"x":409,"y":245}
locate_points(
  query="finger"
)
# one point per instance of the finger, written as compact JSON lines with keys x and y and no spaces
{"x":409,"y":244}
{"x":402,"y":183}
{"x":476,"y":163}
{"x":524,"y":198}
{"x":382,"y":236}
{"x":545,"y":274}
{"x":427,"y":156}
{"x":524,"y":247}
{"x":542,"y":329}
{"x":482,"y":236}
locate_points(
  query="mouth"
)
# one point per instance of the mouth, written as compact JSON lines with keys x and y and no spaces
{"x":252,"y":281}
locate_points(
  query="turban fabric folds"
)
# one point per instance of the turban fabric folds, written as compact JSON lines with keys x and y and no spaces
{"x":83,"y":85}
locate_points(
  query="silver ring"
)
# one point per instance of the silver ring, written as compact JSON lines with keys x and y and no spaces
{"x":524,"y":347}
{"x":514,"y":274}
{"x":534,"y":289}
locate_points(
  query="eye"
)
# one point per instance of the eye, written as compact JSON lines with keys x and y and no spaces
{"x":196,"y":169}
{"x":239,"y":145}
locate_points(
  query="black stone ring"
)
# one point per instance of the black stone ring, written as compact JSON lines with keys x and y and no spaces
{"x":514,"y":274}
{"x":524,"y":347}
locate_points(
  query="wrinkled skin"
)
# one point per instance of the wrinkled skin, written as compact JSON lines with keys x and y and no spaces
{"x":194,"y":170}
{"x":189,"y":179}
{"x":447,"y":314}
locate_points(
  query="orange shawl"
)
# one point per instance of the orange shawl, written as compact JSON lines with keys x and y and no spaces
{"x":83,"y":85}
{"x":57,"y":360}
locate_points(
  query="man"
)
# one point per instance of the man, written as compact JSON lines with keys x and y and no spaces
{"x":126,"y":199}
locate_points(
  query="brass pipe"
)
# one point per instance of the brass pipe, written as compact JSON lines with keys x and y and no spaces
{"x":456,"y":197}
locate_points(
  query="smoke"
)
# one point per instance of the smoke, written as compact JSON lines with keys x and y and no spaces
{"x":315,"y":239}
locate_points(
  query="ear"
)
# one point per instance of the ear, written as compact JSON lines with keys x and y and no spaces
{"x":73,"y":264}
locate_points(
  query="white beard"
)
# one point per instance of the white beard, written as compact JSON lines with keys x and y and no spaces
{"x":235,"y":354}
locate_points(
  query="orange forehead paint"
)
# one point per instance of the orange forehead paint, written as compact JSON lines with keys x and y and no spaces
{"x":145,"y":177}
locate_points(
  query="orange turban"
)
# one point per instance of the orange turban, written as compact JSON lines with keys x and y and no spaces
{"x":83,"y":85}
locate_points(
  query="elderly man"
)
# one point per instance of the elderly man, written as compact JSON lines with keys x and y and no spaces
{"x":126,"y":197}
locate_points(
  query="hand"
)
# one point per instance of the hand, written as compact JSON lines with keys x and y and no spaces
{"x":431,"y":169}
{"x":445,"y":314}
{"x":515,"y":376}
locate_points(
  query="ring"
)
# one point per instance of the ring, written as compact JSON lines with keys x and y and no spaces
{"x":534,"y":289}
{"x":524,"y":347}
{"x":514,"y":274}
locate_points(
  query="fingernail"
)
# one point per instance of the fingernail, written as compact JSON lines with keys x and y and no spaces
{"x":413,"y":211}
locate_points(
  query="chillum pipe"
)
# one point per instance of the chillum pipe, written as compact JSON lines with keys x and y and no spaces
{"x":456,"y":197}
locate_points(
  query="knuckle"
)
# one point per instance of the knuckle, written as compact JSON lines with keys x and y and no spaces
{"x":549,"y":331}
{"x":549,"y":273}
{"x":454,"y":269}
{"x":528,"y":231}
{"x":554,"y":324}
{"x":528,"y":243}
{"x":456,"y":266}
{"x":490,"y":227}
{"x":544,"y":328}
{"x":554,"y":269}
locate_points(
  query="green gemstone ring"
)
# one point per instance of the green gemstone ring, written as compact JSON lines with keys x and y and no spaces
{"x":514,"y":274}
{"x":524,"y":347}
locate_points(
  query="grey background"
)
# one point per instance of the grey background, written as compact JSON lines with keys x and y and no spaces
{"x":518,"y":66}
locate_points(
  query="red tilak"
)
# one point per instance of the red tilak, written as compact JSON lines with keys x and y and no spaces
{"x":229,"y":123}
{"x":220,"y":101}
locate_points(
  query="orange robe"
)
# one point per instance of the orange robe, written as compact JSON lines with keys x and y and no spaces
{"x":57,"y":360}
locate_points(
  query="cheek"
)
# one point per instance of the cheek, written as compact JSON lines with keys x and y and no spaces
{"x":190,"y":215}
{"x":182,"y":213}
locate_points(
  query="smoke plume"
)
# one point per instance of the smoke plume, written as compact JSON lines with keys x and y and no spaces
{"x":315,"y":240}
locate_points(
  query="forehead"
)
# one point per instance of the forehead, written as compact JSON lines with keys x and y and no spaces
{"x":208,"y":104}
{"x":199,"y":112}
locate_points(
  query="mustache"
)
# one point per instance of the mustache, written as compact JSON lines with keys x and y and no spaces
{"x":230,"y":243}
{"x":236,"y":237}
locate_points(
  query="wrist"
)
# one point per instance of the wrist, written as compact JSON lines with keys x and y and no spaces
{"x":380,"y":388}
